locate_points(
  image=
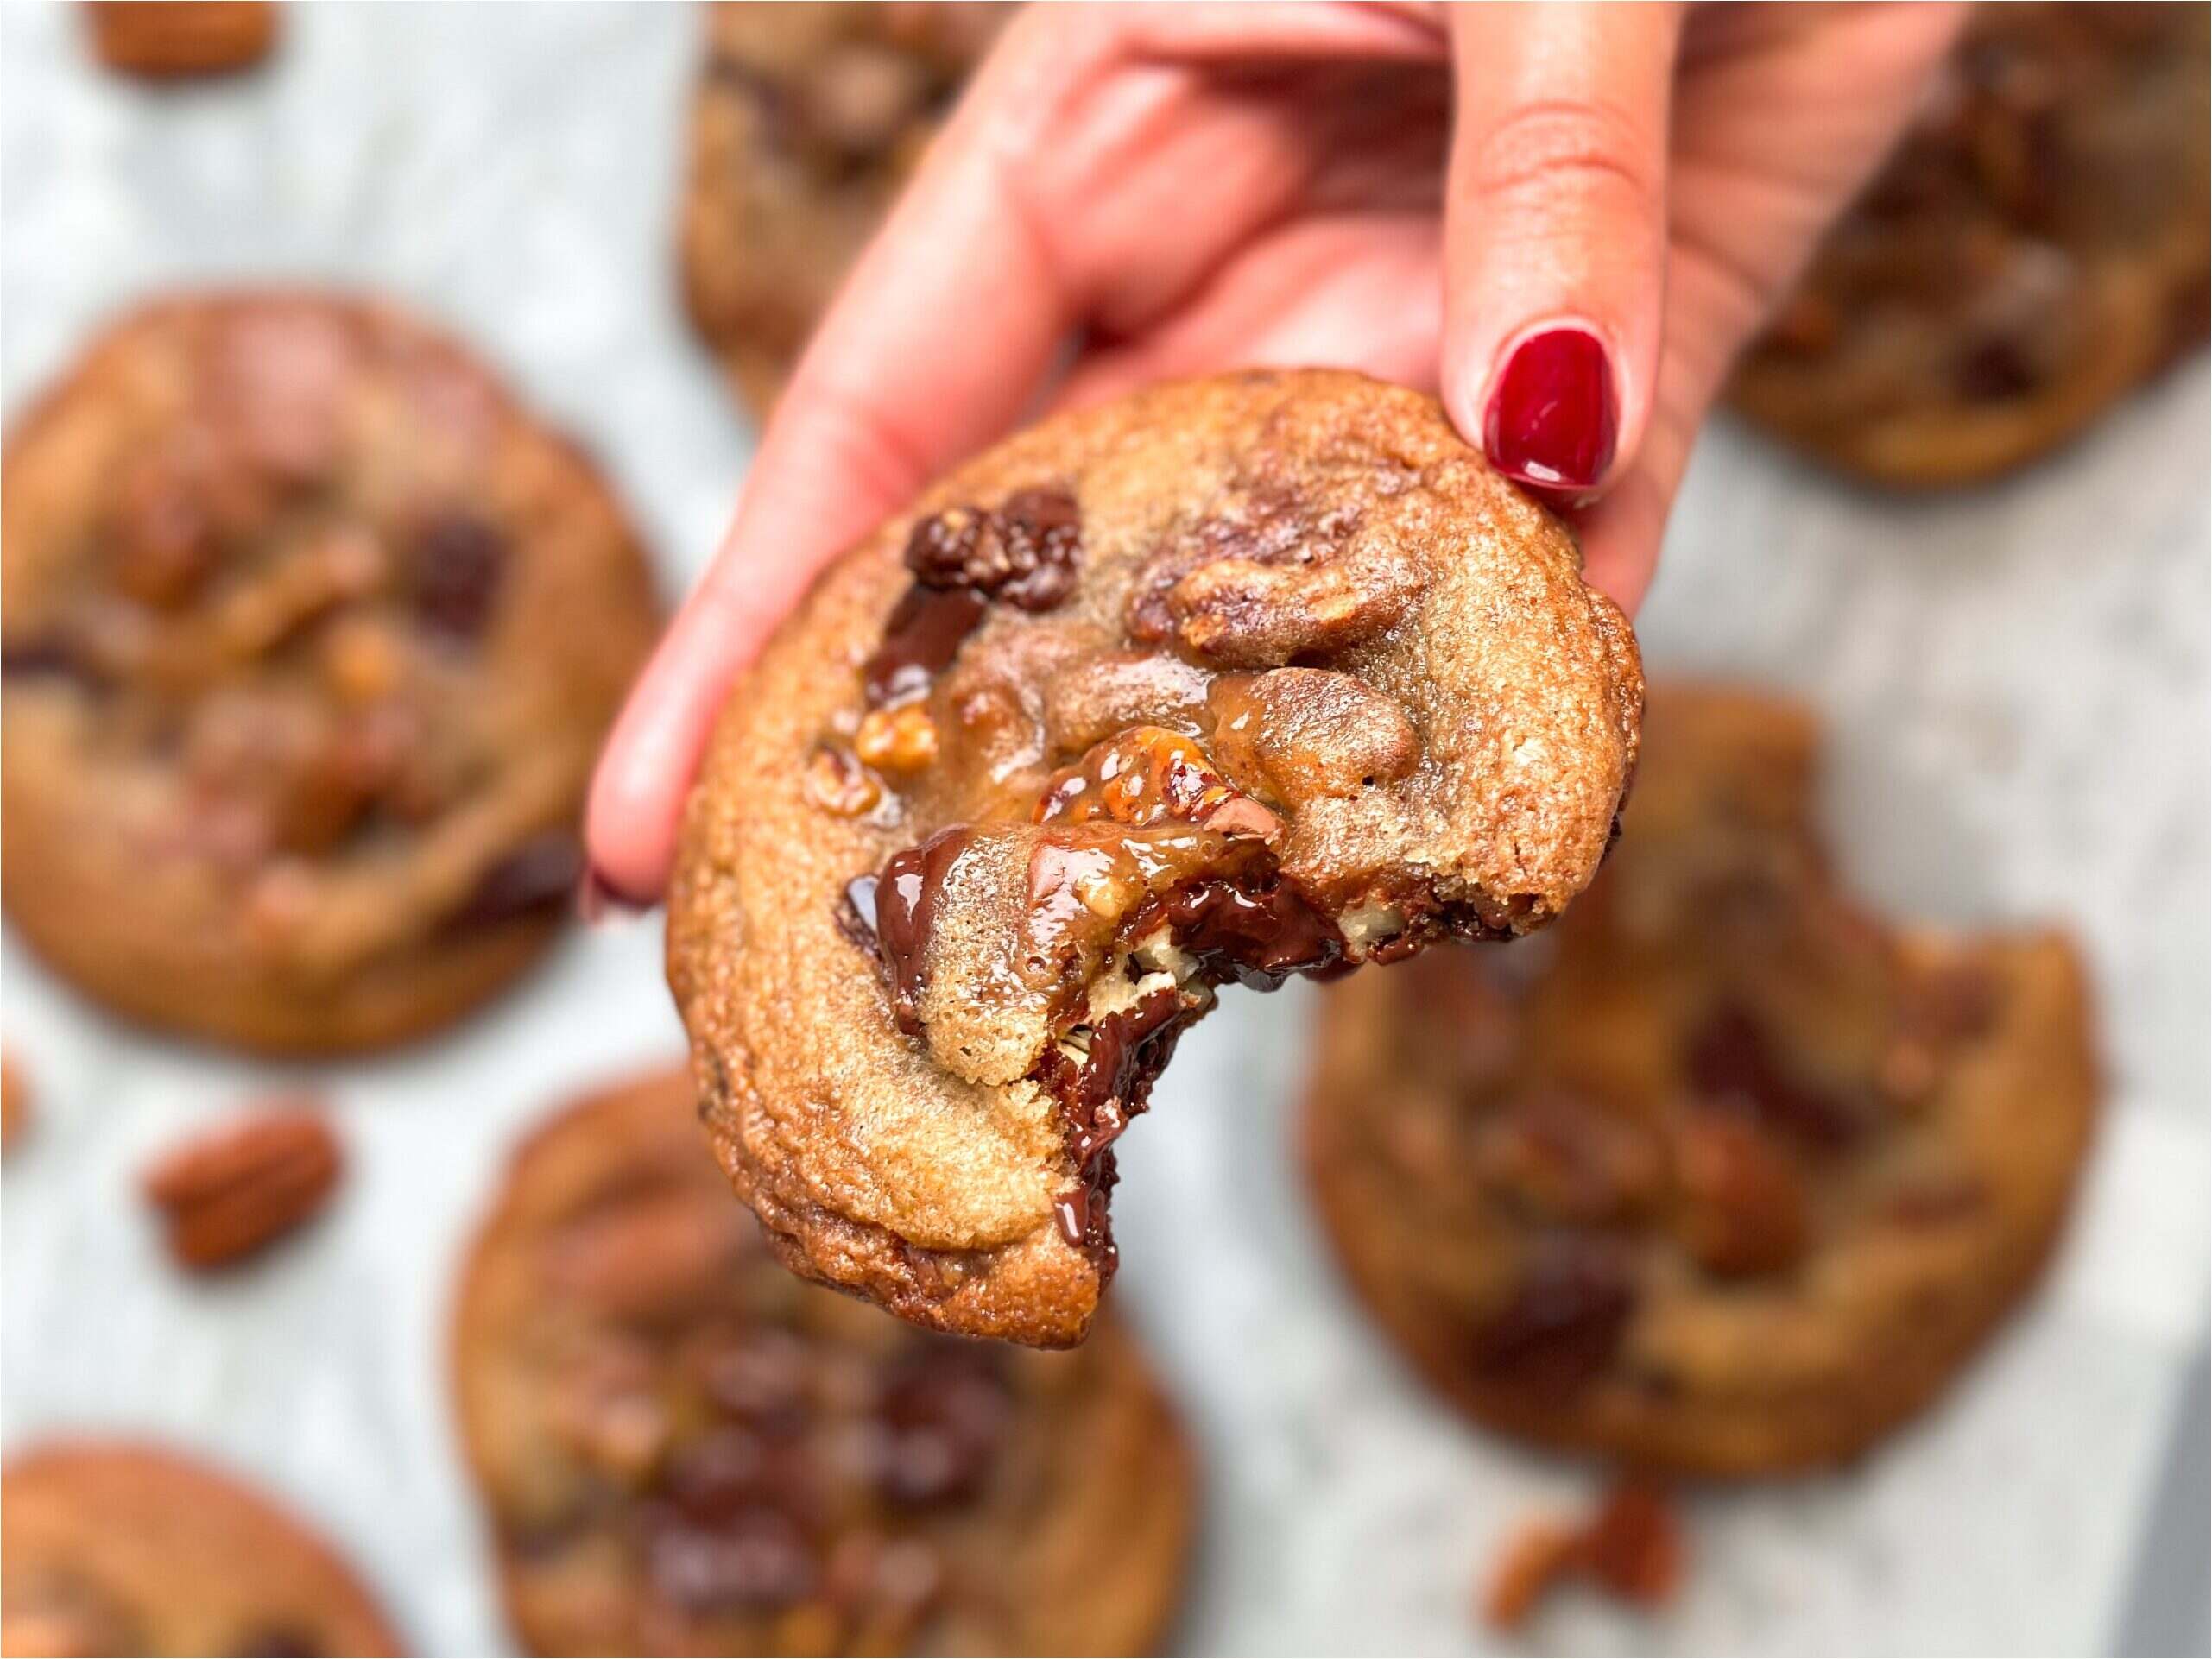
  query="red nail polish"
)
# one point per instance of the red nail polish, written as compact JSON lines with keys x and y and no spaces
{"x":1553,"y":417}
{"x":598,"y":901}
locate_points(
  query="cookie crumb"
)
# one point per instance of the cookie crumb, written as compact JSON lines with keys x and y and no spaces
{"x":231,"y":1192}
{"x":1632,"y":1547}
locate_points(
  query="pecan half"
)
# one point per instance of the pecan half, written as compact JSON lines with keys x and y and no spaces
{"x":229,"y":1193}
{"x":173,"y":41}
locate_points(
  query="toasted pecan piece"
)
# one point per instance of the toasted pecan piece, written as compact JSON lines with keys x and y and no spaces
{"x":182,"y":38}
{"x":1631,"y":1547}
{"x":234,"y":1191}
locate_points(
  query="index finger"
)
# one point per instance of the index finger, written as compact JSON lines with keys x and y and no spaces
{"x":935,"y":344}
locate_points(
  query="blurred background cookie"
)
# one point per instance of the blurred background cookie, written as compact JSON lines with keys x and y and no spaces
{"x":686,"y":1449}
{"x":182,"y":38}
{"x":311,"y":637}
{"x":2037,"y":248}
{"x":807,"y":120}
{"x":116,"y":1547}
{"x":1724,"y":1175}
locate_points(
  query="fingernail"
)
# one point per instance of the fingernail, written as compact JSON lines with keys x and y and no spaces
{"x":1554,"y":417}
{"x":600,"y":903}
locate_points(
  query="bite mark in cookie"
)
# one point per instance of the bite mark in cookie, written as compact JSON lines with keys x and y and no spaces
{"x":1251,"y":676}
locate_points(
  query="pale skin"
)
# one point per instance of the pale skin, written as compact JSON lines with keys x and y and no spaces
{"x":1132,"y":193}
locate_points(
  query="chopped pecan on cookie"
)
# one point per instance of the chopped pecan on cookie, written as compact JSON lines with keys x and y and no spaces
{"x":1238,"y":680}
{"x":311,"y":636}
{"x":1721,"y":1174}
{"x":685,"y":1449}
{"x":233,"y":1192}
{"x":2037,"y":248}
{"x":112,"y":1546}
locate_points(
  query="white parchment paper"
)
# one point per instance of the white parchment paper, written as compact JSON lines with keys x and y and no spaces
{"x":2017,"y":678}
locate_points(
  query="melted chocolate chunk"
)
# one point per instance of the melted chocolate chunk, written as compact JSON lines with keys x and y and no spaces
{"x":538,"y":875}
{"x":925,"y":632}
{"x":1128,"y":1049}
{"x":459,"y":561}
{"x":906,"y":896}
{"x":1257,"y":933}
{"x":1732,"y":1061}
{"x":1026,"y":553}
{"x":940,"y":1417}
{"x":1564,"y":1321}
{"x":1040,"y":536}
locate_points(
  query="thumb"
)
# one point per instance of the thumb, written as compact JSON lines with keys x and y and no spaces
{"x":1555,"y":234}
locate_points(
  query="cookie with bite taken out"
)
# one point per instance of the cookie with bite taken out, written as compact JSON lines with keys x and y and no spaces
{"x":1236,"y":679}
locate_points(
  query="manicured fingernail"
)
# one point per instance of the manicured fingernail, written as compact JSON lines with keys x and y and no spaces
{"x":1554,"y":416}
{"x":599,"y":902}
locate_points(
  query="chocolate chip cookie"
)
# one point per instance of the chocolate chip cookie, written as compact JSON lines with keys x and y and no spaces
{"x":1236,"y":679}
{"x":2037,"y":248}
{"x":311,"y":636}
{"x":116,"y":1547}
{"x":180,"y":40}
{"x":685,"y":1449}
{"x":1723,"y":1175}
{"x":807,"y":121}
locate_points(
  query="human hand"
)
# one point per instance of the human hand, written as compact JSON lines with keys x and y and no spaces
{"x":1565,"y":220}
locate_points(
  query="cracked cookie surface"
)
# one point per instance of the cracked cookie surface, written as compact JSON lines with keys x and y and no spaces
{"x":111,"y":1547}
{"x":807,"y":121}
{"x":686,"y":1449}
{"x":311,"y":637}
{"x":1233,"y":679}
{"x":1722,"y":1175}
{"x":2036,"y":249}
